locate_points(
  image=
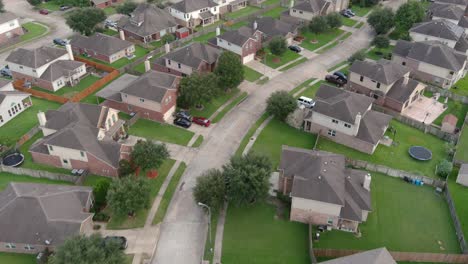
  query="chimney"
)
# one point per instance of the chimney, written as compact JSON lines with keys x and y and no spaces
{"x":405,"y":80}
{"x":291,"y":4}
{"x":42,"y":118}
{"x":70,"y":52}
{"x":147,"y":65}
{"x":255,"y":25}
{"x":357,"y":123}
{"x":367,"y":181}
{"x":218,"y":31}
{"x":122,"y":34}
{"x":167,"y":48}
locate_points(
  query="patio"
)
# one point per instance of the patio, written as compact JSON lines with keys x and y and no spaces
{"x":425,"y":110}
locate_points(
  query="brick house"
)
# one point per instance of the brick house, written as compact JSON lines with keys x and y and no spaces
{"x":153,"y":95}
{"x":322,"y":190}
{"x":106,"y":3}
{"x":245,"y":42}
{"x":192,"y":13}
{"x":271,"y":28}
{"x":81,"y":136}
{"x":102,"y":47}
{"x":46,"y":67}
{"x":346,"y":118}
{"x":34,"y":217}
{"x":12,"y":102}
{"x":9,"y":27}
{"x":385,"y":81}
{"x":375,"y":256}
{"x":308,"y":9}
{"x":147,"y":23}
{"x":431,"y":61}
{"x":195,"y":57}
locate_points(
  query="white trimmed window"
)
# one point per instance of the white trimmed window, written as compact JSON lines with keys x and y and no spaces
{"x":331,"y":132}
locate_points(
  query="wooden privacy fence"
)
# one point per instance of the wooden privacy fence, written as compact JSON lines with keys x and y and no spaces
{"x":19,"y":85}
{"x":447,"y":93}
{"x":398,"y":256}
{"x":456,"y":221}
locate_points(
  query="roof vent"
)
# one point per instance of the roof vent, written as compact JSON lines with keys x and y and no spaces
{"x":319,"y":177}
{"x":324,"y":170}
{"x":325,"y":163}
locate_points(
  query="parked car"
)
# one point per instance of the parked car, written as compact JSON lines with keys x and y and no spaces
{"x":64,"y":7}
{"x":60,"y":42}
{"x":110,"y":23}
{"x":6,"y":72}
{"x":341,"y":75}
{"x":346,"y":14}
{"x":349,"y":11}
{"x":184,"y":114}
{"x":179,"y":121}
{"x":306,"y":101}
{"x":295,"y":48}
{"x":201,"y":121}
{"x":44,"y":12}
{"x":335,"y":80}
{"x":120,"y":239}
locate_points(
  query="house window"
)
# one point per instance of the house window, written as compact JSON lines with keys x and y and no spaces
{"x":451,"y":72}
{"x":335,"y":121}
{"x":403,"y":63}
{"x":28,"y":247}
{"x":1,"y":119}
{"x":21,"y":67}
{"x":113,"y":118}
{"x":378,"y":85}
{"x":10,"y":245}
{"x":294,"y":10}
{"x":220,"y":40}
{"x":347,"y":125}
{"x":51,"y":148}
{"x":300,"y":12}
{"x":125,"y":95}
{"x":12,"y":24}
{"x":82,"y":154}
{"x":65,"y":161}
{"x":34,"y":70}
{"x":361,"y":79}
{"x":330,"y":221}
{"x":142,"y":100}
{"x":331,"y":132}
{"x":169,"y":62}
{"x":19,"y":106}
{"x":178,"y":65}
{"x":9,"y":113}
{"x":229,"y":44}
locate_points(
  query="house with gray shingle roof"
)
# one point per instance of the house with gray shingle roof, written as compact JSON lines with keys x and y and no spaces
{"x":271,"y":28}
{"x":451,"y":13}
{"x":387,"y":82}
{"x":102,"y":47}
{"x":192,"y":13}
{"x":346,"y":118}
{"x":375,"y":256}
{"x":105,"y":3}
{"x":81,"y":136}
{"x":305,"y":10}
{"x":431,"y":61}
{"x":460,"y":3}
{"x":12,"y":102}
{"x":437,"y":30}
{"x":10,"y":28}
{"x":245,"y":42}
{"x":38,"y":216}
{"x":322,"y":190}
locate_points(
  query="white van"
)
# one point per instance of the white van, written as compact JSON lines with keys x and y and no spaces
{"x":306,"y":101}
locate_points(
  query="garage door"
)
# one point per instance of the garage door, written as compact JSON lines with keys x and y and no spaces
{"x":169,"y":113}
{"x":248,"y":58}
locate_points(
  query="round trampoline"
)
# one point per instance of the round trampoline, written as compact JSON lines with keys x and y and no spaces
{"x":420,"y":153}
{"x":13,"y":160}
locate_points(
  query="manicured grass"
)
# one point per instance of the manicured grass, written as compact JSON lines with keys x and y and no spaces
{"x":198,"y":142}
{"x":275,"y":12}
{"x":92,"y":98}
{"x":336,"y":43}
{"x":377,"y":53}
{"x":254,"y":235}
{"x":462,"y":146}
{"x":397,"y":156}
{"x":25,"y":121}
{"x":361,"y":11}
{"x":242,"y":12}
{"x":360,"y":24}
{"x":14,"y":258}
{"x":278,"y":133}
{"x":311,"y":90}
{"x":211,"y":107}
{"x":239,"y":25}
{"x":110,"y":32}
{"x":70,"y":91}
{"x":167,"y":197}
{"x":140,"y":68}
{"x":139,"y":52}
{"x":332,"y":69}
{"x":461,"y":87}
{"x":51,"y":5}
{"x":110,"y":10}
{"x":301,"y":86}
{"x":250,"y":133}
{"x":163,"y":132}
{"x":251,"y":75}
{"x":322,"y":39}
{"x":129,"y":259}
{"x":294,"y":64}
{"x":263,"y":80}
{"x":34,"y":29}
{"x":453,"y":107}
{"x":270,"y":2}
{"x":348,"y":22}
{"x":460,"y":199}
{"x":6,"y":178}
{"x":405,"y":217}
{"x":228,"y":108}
{"x":92,"y":180}
{"x":125,"y":222}
{"x":274,"y":61}
{"x":205,"y":37}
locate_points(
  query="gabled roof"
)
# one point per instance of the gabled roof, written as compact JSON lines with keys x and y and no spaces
{"x":375,"y":256}
{"x":19,"y":95}
{"x":7,"y":17}
{"x":454,"y":2}
{"x":100,"y":43}
{"x":383,"y":71}
{"x":238,"y":37}
{"x":188,"y":6}
{"x":463,"y":22}
{"x":372,"y":127}
{"x":452,"y":12}
{"x":439,"y":28}
{"x":462,"y":44}
{"x":35,"y":58}
{"x":194,"y":54}
{"x":313,"y":6}
{"x":151,"y":85}
{"x":273,"y":27}
{"x":61,"y":68}
{"x":147,"y":19}
{"x":401,"y":90}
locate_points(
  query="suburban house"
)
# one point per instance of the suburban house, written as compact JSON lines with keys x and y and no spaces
{"x":105,"y":3}
{"x":385,"y":81}
{"x":34,"y":216}
{"x":147,"y":23}
{"x":451,"y":13}
{"x":195,"y":57}
{"x":346,"y":118}
{"x":153,"y":95}
{"x":460,"y":3}
{"x":444,"y":31}
{"x":245,"y":42}
{"x":192,"y":13}
{"x":431,"y":61}
{"x":375,"y":256}
{"x":463,"y":22}
{"x":81,"y":136}
{"x":462,"y":177}
{"x":46,"y":67}
{"x":271,"y":28}
{"x":322,"y":190}
{"x":102,"y":47}
{"x":9,"y":27}
{"x":12,"y":102}
{"x":308,"y":9}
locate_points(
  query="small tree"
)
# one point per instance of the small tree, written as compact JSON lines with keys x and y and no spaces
{"x":126,"y":8}
{"x":334,"y":20}
{"x":229,"y":71}
{"x":148,"y":155}
{"x":128,"y":195}
{"x":168,"y":38}
{"x":197,"y":89}
{"x":381,"y":41}
{"x":281,"y":104}
{"x":450,"y":149}
{"x":319,"y":24}
{"x":382,"y":20}
{"x":100,"y":193}
{"x":90,"y":250}
{"x":359,"y":55}
{"x":210,"y":189}
{"x":34,"y":2}
{"x":409,"y":13}
{"x":278,"y":46}
{"x":444,"y":168}
{"x":85,"y":20}
{"x":125,"y":168}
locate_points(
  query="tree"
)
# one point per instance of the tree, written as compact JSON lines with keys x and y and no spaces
{"x":197,"y":89}
{"x":128,"y":195}
{"x":278,"y":45}
{"x":281,"y":104}
{"x":85,"y":20}
{"x":319,"y":24}
{"x":334,"y":20}
{"x":125,"y":168}
{"x":381,"y":41}
{"x":89,"y":250}
{"x":382,"y":20}
{"x":247,"y":178}
{"x":126,"y":8}
{"x":444,"y":168}
{"x":229,"y":71}
{"x":210,"y":189}
{"x":168,"y":38}
{"x":359,"y":55}
{"x":148,"y":155}
{"x":100,"y":192}
{"x":407,"y":14}
{"x":34,"y":2}
{"x":450,"y":149}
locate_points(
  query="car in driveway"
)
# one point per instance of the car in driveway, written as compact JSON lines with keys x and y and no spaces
{"x":184,"y":114}
{"x":341,"y":75}
{"x":295,"y":48}
{"x":64,"y":7}
{"x":44,"y":12}
{"x":110,"y":23}
{"x":349,"y":11}
{"x":60,"y":42}
{"x":6,"y":72}
{"x":335,"y":80}
{"x":182,"y":122}
{"x":122,"y":241}
{"x":201,"y":121}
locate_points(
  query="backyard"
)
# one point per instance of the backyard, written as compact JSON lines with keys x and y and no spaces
{"x":139,"y":52}
{"x":275,"y":12}
{"x":314,"y":41}
{"x":458,"y":193}
{"x":461,"y":87}
{"x":70,"y":91}
{"x":405,"y":217}
{"x":6,"y":178}
{"x":274,"y":61}
{"x":456,"y":108}
{"x":379,"y":53}
{"x":34,"y":29}
{"x":242,"y":12}
{"x":162,"y":132}
{"x":462,"y":146}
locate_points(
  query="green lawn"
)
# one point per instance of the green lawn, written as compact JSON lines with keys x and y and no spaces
{"x":92,"y":180}
{"x":275,"y":12}
{"x":320,"y":39}
{"x":348,"y":22}
{"x":462,"y":146}
{"x":377,"y":53}
{"x":129,"y":258}
{"x":139,"y":52}
{"x":361,"y":11}
{"x":34,"y":29}
{"x":397,"y":156}
{"x":198,"y":142}
{"x":110,"y":10}
{"x":242,"y":12}
{"x":51,"y":5}
{"x":17,"y":127}
{"x":274,"y":61}
{"x":228,"y":108}
{"x":270,"y":2}
{"x":92,"y":98}
{"x":336,"y":43}
{"x":405,"y":217}
{"x":6,"y":178}
{"x":250,"y":133}
{"x":14,"y":258}
{"x":211,"y":107}
{"x":70,"y":91}
{"x":461,"y":87}
{"x":275,"y":135}
{"x":251,"y":75}
{"x":204,"y":38}
{"x":311,"y":90}
{"x":110,"y":32}
{"x":239,"y":25}
{"x":332,"y":69}
{"x":460,"y":198}
{"x":254,"y":235}
{"x":301,"y":86}
{"x":453,"y":107}
{"x":125,"y":222}
{"x":163,"y":132}
{"x":294,"y":64}
{"x":167,"y":197}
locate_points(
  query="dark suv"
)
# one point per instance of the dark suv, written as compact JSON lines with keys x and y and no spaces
{"x":335,"y":80}
{"x":184,"y":114}
{"x":180,"y":121}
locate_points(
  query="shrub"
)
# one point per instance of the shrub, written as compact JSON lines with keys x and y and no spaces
{"x":278,"y":46}
{"x":281,"y":104}
{"x":334,"y":20}
{"x":381,"y":41}
{"x":359,"y":55}
{"x":319,"y":24}
{"x":168,"y":38}
{"x":444,"y":168}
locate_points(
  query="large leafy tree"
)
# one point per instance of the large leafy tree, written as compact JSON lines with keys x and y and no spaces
{"x":148,"y":155}
{"x":89,"y":250}
{"x":281,"y":104}
{"x":334,"y":20}
{"x":247,"y":178}
{"x":358,"y":55}
{"x":210,"y":189}
{"x":126,"y":8}
{"x":197,"y":89}
{"x":381,"y":41}
{"x":319,"y":24}
{"x":229,"y":70}
{"x":85,"y":20}
{"x":128,"y":195}
{"x":278,"y":46}
{"x":382,"y":20}
{"x":409,"y":13}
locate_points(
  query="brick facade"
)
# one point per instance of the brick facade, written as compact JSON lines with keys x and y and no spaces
{"x":202,"y":68}
{"x":109,"y":3}
{"x":5,"y":37}
{"x":34,"y":81}
{"x":252,"y":45}
{"x":309,"y":217}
